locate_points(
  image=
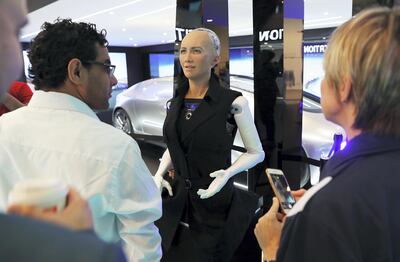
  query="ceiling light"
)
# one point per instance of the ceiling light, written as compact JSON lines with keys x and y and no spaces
{"x":131,"y":38}
{"x":209,"y":20}
{"x":152,"y":12}
{"x":164,"y":33}
{"x":90,"y":15}
{"x":30,"y":34}
{"x":123,"y":29}
{"x":134,"y":44}
{"x":107,"y":10}
{"x":112,"y":13}
{"x":162,"y":41}
{"x":326,"y":13}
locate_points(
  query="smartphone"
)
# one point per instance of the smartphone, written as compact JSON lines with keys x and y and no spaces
{"x":281,"y":188}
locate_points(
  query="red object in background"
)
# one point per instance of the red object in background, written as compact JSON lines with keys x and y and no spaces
{"x":20,"y":91}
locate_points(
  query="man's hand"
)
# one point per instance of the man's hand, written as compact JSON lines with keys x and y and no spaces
{"x":220,"y":179}
{"x":268,"y":231}
{"x":162,"y":183}
{"x":76,"y":215}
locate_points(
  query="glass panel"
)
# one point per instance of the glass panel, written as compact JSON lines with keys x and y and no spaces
{"x":121,"y":71}
{"x":268,"y":84}
{"x":320,"y":19}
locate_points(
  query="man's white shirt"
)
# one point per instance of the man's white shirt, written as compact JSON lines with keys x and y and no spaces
{"x":58,"y":135}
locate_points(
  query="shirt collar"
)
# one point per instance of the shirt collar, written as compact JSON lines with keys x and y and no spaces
{"x":362,"y":145}
{"x":213,"y":92}
{"x":60,"y":101}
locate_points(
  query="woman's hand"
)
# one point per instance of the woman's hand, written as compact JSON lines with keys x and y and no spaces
{"x":297,"y":194}
{"x":268,"y":231}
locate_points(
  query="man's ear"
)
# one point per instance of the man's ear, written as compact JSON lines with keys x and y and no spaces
{"x":74,"y":71}
{"x":345,"y":90}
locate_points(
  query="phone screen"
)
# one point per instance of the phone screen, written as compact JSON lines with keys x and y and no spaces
{"x":283,"y":189}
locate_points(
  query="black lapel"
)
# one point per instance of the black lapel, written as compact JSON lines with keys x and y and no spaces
{"x":174,"y":110}
{"x":173,"y":114}
{"x":171,"y":134}
{"x":205,"y":110}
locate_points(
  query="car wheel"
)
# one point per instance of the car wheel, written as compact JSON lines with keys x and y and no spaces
{"x":122,"y":121}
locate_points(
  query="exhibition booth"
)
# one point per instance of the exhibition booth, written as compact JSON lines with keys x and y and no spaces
{"x":271,"y":52}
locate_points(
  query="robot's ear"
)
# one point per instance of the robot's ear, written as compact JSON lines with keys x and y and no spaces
{"x":236,"y":109}
{"x":216,"y":60}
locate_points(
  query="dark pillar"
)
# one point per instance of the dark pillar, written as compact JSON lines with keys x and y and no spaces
{"x":277,"y":47}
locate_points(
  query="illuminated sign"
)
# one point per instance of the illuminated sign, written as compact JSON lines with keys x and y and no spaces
{"x":181,"y":32}
{"x":270,"y":35}
{"x":264,"y":36}
{"x":314,"y":48}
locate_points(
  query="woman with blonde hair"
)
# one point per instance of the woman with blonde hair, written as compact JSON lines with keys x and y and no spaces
{"x":353,"y":214}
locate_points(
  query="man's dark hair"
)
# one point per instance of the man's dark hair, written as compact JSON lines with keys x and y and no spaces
{"x":58,"y":43}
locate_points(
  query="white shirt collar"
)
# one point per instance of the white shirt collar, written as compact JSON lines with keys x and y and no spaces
{"x":60,"y":101}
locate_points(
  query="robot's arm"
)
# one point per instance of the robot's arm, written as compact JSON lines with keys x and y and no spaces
{"x":165,"y":165}
{"x":251,"y":141}
{"x":248,"y":132}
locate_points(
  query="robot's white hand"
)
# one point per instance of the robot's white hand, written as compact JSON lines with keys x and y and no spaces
{"x":220,"y":179}
{"x":161,"y":183}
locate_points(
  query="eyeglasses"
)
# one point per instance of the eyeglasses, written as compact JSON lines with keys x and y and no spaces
{"x":110,"y":69}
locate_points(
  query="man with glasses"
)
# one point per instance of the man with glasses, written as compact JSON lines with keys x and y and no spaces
{"x":110,"y":69}
{"x":59,"y":135}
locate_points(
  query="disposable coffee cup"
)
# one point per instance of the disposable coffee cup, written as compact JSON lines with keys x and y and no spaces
{"x":46,"y":193}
